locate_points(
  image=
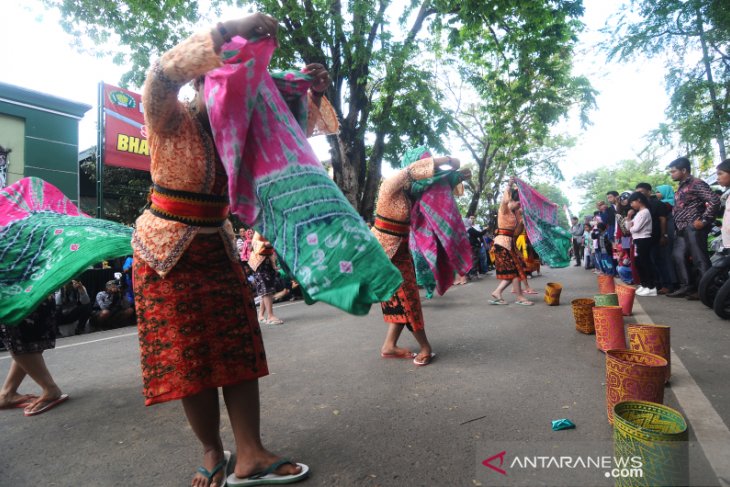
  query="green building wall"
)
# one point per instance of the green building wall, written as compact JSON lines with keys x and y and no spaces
{"x":43,"y":133}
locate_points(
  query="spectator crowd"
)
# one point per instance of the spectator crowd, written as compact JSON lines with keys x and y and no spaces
{"x":660,"y":238}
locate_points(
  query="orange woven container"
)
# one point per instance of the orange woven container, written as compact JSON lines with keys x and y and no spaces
{"x":583,"y":314}
{"x":606,"y":285}
{"x":632,"y":375}
{"x":653,"y":339}
{"x":626,"y":296}
{"x":552,"y":293}
{"x":609,"y":323}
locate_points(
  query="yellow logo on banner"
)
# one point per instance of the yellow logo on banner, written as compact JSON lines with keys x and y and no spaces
{"x":127,"y":143}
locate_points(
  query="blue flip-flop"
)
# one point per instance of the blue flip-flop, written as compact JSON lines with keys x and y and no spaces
{"x":500,"y":302}
{"x":222,"y":465}
{"x":268,"y":477}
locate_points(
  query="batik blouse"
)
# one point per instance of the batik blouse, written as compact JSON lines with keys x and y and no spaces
{"x":393,"y":204}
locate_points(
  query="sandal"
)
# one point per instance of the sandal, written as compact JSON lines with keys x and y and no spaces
{"x":222,"y":465}
{"x":525,"y":303}
{"x":275,"y":321}
{"x":498,"y":302}
{"x":268,"y":477}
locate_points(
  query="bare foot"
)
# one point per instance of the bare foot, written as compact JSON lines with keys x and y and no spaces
{"x":211,"y":459}
{"x":247,"y":465}
{"x":395,"y":352}
{"x":16,"y":400}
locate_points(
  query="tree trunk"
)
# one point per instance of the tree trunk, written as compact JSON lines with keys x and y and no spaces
{"x":716,"y":109}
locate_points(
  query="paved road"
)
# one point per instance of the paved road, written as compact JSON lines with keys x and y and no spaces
{"x":501,"y":375}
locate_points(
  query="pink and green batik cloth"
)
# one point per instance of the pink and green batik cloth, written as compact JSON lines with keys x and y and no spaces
{"x":550,"y":241}
{"x":45,"y":241}
{"x":438,"y":239}
{"x":277,"y":184}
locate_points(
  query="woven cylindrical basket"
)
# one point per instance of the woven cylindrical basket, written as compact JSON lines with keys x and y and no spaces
{"x":657,"y":436}
{"x":583,"y":314}
{"x":626,"y":295}
{"x":552,"y":293}
{"x":653,"y":339}
{"x":610,"y":299}
{"x":606,"y":284}
{"x":609,"y":323}
{"x":632,"y":375}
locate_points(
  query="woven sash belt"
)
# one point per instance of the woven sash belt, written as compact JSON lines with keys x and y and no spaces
{"x":197,"y":209}
{"x":392,"y":227}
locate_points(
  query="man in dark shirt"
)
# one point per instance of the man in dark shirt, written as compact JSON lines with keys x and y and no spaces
{"x":608,"y":216}
{"x":694,"y":211}
{"x":612,"y":198}
{"x":659,"y":237}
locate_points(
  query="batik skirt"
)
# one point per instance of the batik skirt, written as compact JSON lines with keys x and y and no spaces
{"x":36,"y":333}
{"x":197,"y":326}
{"x":508,"y":264}
{"x":264,"y":277}
{"x":405,"y":305}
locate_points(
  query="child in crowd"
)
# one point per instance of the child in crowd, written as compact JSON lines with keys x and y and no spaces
{"x":604,"y":251}
{"x":588,"y":246}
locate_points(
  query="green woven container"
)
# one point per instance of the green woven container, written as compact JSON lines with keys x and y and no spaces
{"x":658,"y":436}
{"x":606,"y":299}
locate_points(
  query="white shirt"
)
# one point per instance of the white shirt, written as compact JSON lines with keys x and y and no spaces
{"x":640,"y":225}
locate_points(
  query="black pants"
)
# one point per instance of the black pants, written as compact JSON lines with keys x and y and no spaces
{"x":578,"y":252}
{"x":80,"y":313}
{"x":643,"y":262}
{"x":692,"y":242}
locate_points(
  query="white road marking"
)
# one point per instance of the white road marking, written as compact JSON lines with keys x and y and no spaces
{"x":8,"y":356}
{"x":711,"y":432}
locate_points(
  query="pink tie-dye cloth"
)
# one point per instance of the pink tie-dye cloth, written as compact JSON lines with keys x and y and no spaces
{"x":277,"y":184}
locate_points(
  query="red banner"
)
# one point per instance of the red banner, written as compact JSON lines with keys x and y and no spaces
{"x":124,"y":142}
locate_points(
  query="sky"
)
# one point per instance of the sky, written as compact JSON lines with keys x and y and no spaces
{"x":631,"y":99}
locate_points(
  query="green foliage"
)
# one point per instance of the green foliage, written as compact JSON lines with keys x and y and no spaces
{"x":517,"y":59}
{"x":125,"y":191}
{"x":694,"y":38}
{"x":388,"y":87}
{"x":623,"y":177}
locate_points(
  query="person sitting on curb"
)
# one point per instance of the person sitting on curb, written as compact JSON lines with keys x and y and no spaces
{"x":73,"y":304}
{"x":111,"y":309}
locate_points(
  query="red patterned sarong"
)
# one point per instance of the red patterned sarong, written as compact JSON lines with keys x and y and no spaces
{"x":508,"y":264}
{"x":405,"y":305}
{"x":197,"y":326}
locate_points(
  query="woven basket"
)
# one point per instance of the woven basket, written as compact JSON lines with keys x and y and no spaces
{"x":632,"y":375}
{"x":609,"y":323}
{"x":653,"y":339}
{"x":658,"y":436}
{"x":606,"y":284}
{"x":626,"y":295}
{"x":583,"y":314}
{"x":610,"y":299}
{"x":552,"y":293}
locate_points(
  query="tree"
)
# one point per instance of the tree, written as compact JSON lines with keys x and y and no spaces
{"x":516,"y":85}
{"x":623,"y":177}
{"x":695,"y":36}
{"x":125,"y":191}
{"x":382,"y":91}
